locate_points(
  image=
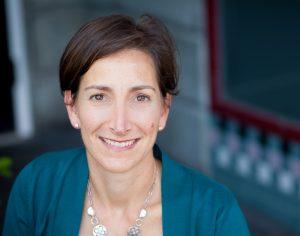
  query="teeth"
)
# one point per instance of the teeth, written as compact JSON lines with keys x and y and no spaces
{"x":119,"y":144}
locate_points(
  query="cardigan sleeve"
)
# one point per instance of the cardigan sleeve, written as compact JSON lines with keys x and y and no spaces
{"x":230,"y":219}
{"x":18,"y":219}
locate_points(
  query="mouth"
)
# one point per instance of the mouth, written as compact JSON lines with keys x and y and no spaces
{"x":126,"y":144}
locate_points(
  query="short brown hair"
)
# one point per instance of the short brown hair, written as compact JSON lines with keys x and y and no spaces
{"x":110,"y":34}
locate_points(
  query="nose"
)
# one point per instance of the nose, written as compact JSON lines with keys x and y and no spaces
{"x":119,"y":123}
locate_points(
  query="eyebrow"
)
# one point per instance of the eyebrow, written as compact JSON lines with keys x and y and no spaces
{"x":142,"y":87}
{"x":98,"y":87}
{"x":106,"y":88}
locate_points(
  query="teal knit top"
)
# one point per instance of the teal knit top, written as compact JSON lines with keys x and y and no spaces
{"x":48,"y":196}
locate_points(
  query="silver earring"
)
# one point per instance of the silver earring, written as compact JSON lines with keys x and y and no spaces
{"x":160,"y":128}
{"x":76,"y":126}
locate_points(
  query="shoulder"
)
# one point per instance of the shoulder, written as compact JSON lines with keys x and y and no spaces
{"x":195,"y":182}
{"x":207,"y":206}
{"x":48,"y":172}
{"x":50,"y":165}
{"x":42,"y":185}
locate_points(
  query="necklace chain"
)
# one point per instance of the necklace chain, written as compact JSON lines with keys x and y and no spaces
{"x":134,"y":230}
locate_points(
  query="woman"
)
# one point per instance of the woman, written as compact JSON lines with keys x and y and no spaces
{"x":118,"y":76}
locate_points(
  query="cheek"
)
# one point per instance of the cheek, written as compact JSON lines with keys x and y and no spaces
{"x":148,"y":121}
{"x":147,"y":116}
{"x":90,"y":116}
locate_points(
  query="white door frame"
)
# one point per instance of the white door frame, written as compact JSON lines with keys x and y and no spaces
{"x":17,"y":47}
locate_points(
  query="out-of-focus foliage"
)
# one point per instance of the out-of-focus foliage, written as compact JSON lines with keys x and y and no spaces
{"x":5,"y":167}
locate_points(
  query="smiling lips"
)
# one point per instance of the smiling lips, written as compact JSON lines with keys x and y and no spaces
{"x":119,"y":144}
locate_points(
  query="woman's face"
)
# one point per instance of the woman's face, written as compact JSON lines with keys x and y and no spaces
{"x":119,"y":109}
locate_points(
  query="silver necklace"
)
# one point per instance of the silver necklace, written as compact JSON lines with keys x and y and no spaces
{"x":134,"y":230}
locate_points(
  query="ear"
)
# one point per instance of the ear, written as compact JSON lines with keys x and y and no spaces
{"x":71,"y":109}
{"x":167,"y":101}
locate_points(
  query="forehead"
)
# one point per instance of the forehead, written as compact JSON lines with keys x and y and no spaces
{"x":126,"y":66}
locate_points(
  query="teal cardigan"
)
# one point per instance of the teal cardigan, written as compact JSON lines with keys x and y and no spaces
{"x":48,"y":195}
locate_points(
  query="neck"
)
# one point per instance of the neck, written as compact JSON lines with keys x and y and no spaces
{"x":122,"y":191}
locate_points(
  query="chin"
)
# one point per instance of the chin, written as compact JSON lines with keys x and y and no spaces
{"x":116,"y":163}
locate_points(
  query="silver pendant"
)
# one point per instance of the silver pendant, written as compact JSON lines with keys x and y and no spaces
{"x":99,"y":230}
{"x":133,"y":231}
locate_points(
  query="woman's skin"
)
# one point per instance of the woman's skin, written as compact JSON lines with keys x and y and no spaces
{"x":119,"y":110}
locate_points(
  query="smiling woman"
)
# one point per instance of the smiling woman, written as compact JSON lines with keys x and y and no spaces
{"x":119,"y":107}
{"x":118,"y":76}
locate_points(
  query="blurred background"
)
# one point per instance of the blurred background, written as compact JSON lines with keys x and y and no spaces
{"x":236,"y":118}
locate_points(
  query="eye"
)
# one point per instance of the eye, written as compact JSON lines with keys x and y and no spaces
{"x":142,"y":98}
{"x":97,"y":97}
